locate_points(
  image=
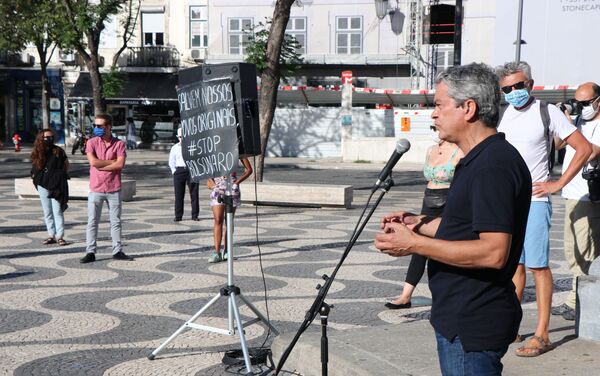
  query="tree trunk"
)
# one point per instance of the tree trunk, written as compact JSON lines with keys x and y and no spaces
{"x":270,"y":77}
{"x":93,"y":66}
{"x":97,"y":87}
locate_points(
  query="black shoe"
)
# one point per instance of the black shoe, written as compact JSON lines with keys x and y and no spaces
{"x":122,"y":256}
{"x":195,"y":219}
{"x":559,"y":310}
{"x":391,"y":305}
{"x":177,"y":219}
{"x":569,"y":315}
{"x":89,"y":257}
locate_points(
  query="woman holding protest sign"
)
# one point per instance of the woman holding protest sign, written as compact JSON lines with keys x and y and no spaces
{"x":218,"y":187}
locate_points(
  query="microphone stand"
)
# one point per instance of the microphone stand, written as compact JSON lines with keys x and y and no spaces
{"x":319,"y":305}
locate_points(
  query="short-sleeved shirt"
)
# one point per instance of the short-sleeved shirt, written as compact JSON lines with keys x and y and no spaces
{"x":524,"y":129}
{"x":105,"y":181}
{"x":491,"y":192}
{"x":577,"y":188}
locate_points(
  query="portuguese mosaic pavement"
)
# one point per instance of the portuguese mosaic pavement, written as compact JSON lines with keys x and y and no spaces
{"x":60,"y":317}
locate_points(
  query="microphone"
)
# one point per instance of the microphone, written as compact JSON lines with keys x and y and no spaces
{"x":402,"y":146}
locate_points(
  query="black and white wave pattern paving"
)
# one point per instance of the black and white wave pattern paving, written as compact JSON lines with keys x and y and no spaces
{"x":60,"y":317}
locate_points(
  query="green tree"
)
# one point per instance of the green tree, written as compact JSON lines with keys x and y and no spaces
{"x":86,"y":20}
{"x":289,"y":60}
{"x":37,"y":22}
{"x":43,"y":23}
{"x":271,"y":68}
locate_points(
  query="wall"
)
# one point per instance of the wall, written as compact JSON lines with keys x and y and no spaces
{"x":315,"y":132}
{"x":377,"y":36}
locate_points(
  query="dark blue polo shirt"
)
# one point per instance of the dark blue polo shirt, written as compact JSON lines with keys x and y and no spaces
{"x":490,"y":192}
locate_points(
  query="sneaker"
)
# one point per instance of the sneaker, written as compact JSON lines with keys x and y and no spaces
{"x":122,"y":256}
{"x":177,"y":219}
{"x":89,"y":257}
{"x":195,"y":219}
{"x":215,"y":257}
{"x":569,"y":315}
{"x":224,"y":256}
{"x":559,"y":310}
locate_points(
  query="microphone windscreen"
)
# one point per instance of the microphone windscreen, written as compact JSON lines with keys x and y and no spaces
{"x":402,"y":146}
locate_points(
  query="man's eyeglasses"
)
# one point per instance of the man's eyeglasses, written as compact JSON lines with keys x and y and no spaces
{"x":518,"y":86}
{"x":588,"y":102}
{"x":100,"y":125}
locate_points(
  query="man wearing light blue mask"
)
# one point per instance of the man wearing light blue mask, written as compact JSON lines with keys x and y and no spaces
{"x":106,"y":155}
{"x":529,"y":125}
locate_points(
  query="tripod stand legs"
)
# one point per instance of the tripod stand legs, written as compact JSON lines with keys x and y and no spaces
{"x":187,"y":324}
{"x":240,"y":326}
{"x":259,"y":315}
{"x":231,"y":292}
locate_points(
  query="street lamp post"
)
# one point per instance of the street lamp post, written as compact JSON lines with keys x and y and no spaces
{"x":519,"y":41}
{"x":381,"y":8}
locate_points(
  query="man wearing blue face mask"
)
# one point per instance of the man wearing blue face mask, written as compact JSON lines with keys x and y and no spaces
{"x":529,"y":125}
{"x":106,"y":155}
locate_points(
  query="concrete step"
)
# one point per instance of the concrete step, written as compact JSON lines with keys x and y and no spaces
{"x":409,"y":348}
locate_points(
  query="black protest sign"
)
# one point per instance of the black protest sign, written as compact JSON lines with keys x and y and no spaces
{"x":209,"y":128}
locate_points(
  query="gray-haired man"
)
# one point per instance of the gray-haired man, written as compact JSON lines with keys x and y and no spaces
{"x":525,"y":128}
{"x":474,"y":248}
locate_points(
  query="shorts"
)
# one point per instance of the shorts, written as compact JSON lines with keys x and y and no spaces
{"x":220,"y":188}
{"x":536,"y":248}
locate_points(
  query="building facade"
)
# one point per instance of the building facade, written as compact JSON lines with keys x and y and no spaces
{"x":335,"y":36}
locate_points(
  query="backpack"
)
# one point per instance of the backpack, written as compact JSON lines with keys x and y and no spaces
{"x":545,"y":115}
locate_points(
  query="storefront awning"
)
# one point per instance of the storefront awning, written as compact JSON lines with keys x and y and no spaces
{"x":138,"y":88}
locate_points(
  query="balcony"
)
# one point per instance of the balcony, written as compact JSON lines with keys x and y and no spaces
{"x":15,"y":59}
{"x":152,"y":57}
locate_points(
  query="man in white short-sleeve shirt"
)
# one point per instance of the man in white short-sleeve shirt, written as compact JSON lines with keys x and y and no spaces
{"x":524,"y":127}
{"x":582,"y":217}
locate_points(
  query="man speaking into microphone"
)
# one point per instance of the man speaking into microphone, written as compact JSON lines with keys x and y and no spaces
{"x":474,"y":248}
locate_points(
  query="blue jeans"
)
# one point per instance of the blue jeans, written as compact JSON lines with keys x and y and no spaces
{"x":95,"y":201}
{"x":454,"y":361}
{"x":53,"y":216}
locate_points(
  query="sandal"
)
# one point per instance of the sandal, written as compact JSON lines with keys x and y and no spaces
{"x":533,"y":349}
{"x":61,"y":242}
{"x":519,"y":339}
{"x":49,"y":241}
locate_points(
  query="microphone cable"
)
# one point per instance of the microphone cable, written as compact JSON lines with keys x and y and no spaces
{"x":262,"y":271}
{"x":248,"y":109}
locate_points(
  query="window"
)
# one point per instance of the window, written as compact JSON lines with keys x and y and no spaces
{"x":153,"y":29}
{"x":239,"y":37}
{"x":348,"y":31}
{"x":444,"y":56}
{"x":296,"y":27}
{"x":199,"y":27}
